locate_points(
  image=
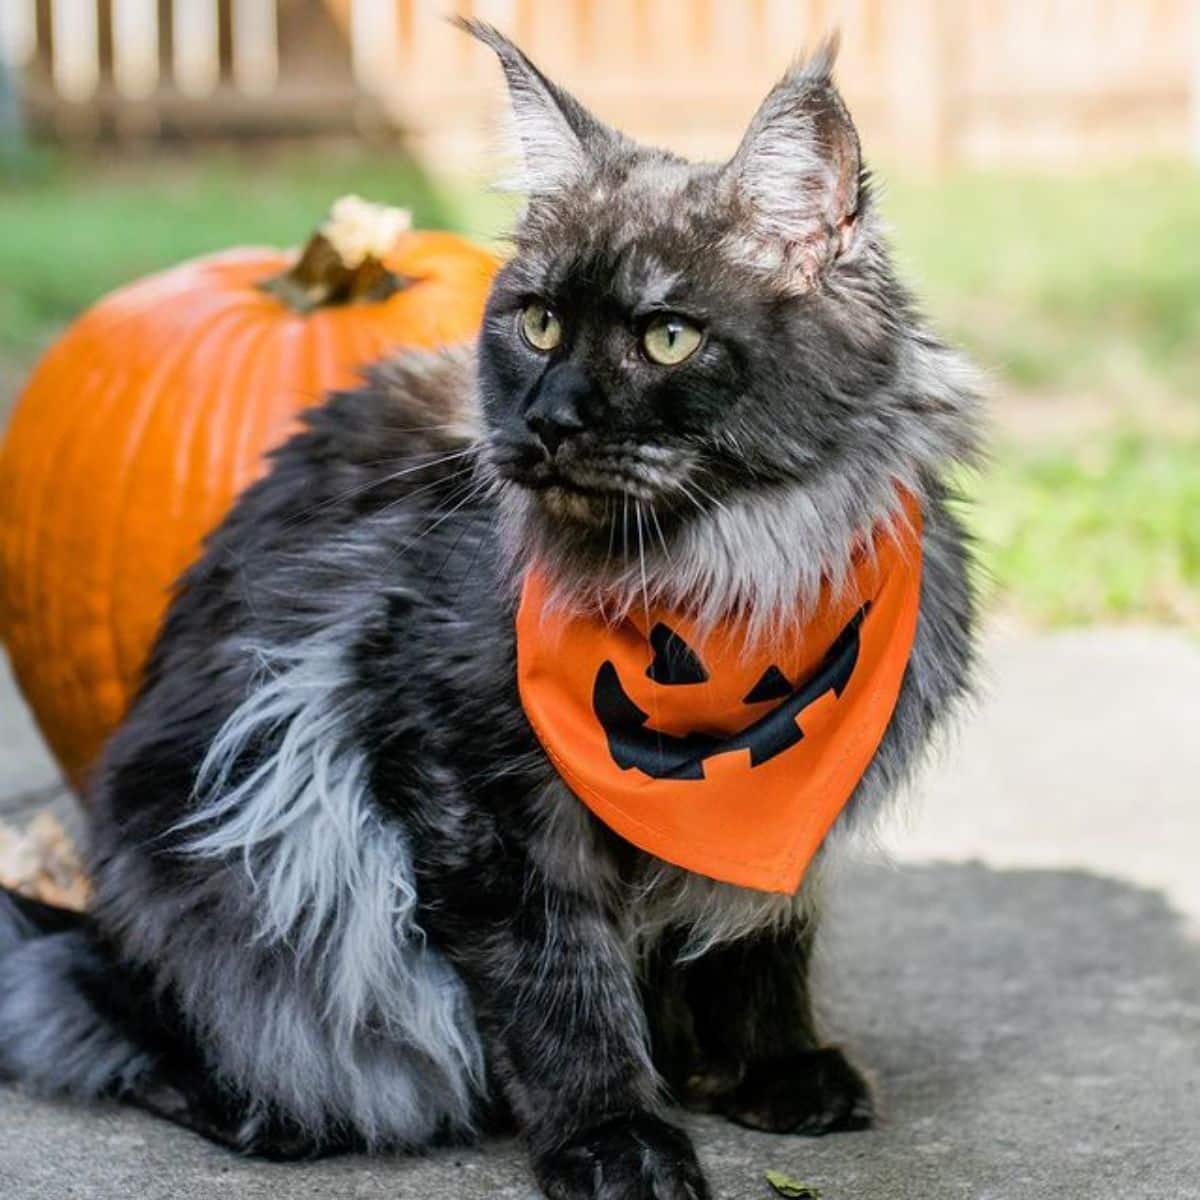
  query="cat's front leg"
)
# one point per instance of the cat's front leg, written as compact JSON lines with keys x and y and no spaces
{"x":734,"y":1034}
{"x":558,"y":1005}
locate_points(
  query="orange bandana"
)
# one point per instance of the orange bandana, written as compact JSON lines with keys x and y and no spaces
{"x":727,"y":763}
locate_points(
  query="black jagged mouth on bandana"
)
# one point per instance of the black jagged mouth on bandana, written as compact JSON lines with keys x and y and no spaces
{"x":634,"y":745}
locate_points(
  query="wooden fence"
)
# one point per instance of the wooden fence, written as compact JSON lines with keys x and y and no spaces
{"x":933,"y":81}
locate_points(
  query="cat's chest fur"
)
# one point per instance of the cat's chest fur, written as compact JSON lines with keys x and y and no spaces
{"x":441,"y":678}
{"x":650,"y":897}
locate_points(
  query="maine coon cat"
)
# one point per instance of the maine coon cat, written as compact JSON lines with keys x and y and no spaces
{"x":342,"y":896}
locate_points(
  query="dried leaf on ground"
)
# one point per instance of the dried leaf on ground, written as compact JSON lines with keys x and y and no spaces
{"x":41,"y":861}
{"x":793,"y":1189}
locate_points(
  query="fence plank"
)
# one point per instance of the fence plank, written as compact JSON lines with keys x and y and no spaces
{"x":920,"y":100}
{"x":196,"y":46}
{"x":135,"y":47}
{"x":375,"y":43}
{"x":75,"y":30}
{"x":18,"y":31}
{"x":255,"y":46}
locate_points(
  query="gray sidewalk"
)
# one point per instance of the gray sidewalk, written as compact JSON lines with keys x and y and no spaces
{"x":1024,"y":982}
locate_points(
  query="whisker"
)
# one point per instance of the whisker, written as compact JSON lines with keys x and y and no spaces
{"x":709,"y":496}
{"x":637,"y":512}
{"x":239,"y":559}
{"x":646,"y":606}
{"x":308,"y":513}
{"x":428,"y":487}
{"x":462,"y":583}
{"x":472,"y":493}
{"x":458,"y":540}
{"x":426,"y":428}
{"x":529,"y":762}
{"x":683,"y":487}
{"x":661,"y":536}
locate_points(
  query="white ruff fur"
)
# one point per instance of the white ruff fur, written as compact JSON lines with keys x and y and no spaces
{"x":765,"y":561}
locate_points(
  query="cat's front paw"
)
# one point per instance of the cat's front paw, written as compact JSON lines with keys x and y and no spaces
{"x":813,"y":1092}
{"x":628,"y":1158}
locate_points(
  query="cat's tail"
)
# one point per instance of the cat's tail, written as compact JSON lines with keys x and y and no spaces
{"x":58,"y":1034}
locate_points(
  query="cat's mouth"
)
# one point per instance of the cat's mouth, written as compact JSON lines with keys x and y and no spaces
{"x":595,"y":484}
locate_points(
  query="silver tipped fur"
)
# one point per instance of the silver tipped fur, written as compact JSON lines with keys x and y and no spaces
{"x":334,"y":888}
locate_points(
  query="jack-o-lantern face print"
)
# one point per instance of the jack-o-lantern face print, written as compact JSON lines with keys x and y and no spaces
{"x":728,"y":760}
{"x":635,"y":743}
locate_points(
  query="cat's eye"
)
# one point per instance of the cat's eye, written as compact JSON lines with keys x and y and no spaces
{"x":669,"y":339}
{"x":540,"y":327}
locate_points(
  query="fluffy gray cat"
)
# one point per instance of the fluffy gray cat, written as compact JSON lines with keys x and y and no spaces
{"x":342,"y":896}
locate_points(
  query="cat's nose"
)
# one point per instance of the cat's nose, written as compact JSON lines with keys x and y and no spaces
{"x":558,"y":410}
{"x":552,"y":426}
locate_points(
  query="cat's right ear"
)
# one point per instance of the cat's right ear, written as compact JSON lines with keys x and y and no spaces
{"x":558,"y":137}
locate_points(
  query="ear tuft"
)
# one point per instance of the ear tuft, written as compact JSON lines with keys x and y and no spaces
{"x":556,"y":134}
{"x":797,"y":170}
{"x":818,"y":66}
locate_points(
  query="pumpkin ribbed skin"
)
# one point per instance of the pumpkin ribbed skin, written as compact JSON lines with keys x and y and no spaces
{"x":140,"y":426}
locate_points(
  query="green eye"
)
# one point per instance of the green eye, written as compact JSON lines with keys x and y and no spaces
{"x":540,"y":327}
{"x":669,"y":339}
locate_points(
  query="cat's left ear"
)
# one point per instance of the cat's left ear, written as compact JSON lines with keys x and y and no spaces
{"x":559,"y":139}
{"x":796,"y":173}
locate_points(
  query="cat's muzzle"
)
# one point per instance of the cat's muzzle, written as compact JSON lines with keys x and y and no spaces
{"x":593,"y":480}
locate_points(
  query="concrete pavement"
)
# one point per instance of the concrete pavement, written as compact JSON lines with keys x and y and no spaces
{"x":1023,"y":979}
{"x":1084,"y":752}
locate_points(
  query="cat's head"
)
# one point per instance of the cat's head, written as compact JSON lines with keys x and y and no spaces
{"x":685,"y":368}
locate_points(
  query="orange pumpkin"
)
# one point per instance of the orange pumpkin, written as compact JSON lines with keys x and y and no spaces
{"x":154,"y":410}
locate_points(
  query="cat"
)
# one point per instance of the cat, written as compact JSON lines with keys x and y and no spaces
{"x":342,"y":897}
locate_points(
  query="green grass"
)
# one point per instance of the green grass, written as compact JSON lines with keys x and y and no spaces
{"x":1088,"y":283}
{"x":1108,"y":529}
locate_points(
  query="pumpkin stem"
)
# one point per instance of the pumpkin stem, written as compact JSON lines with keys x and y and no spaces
{"x":343,"y":262}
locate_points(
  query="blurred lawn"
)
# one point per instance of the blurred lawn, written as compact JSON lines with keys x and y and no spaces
{"x":1080,"y":293}
{"x":1078,"y":283}
{"x":1106,"y":527}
